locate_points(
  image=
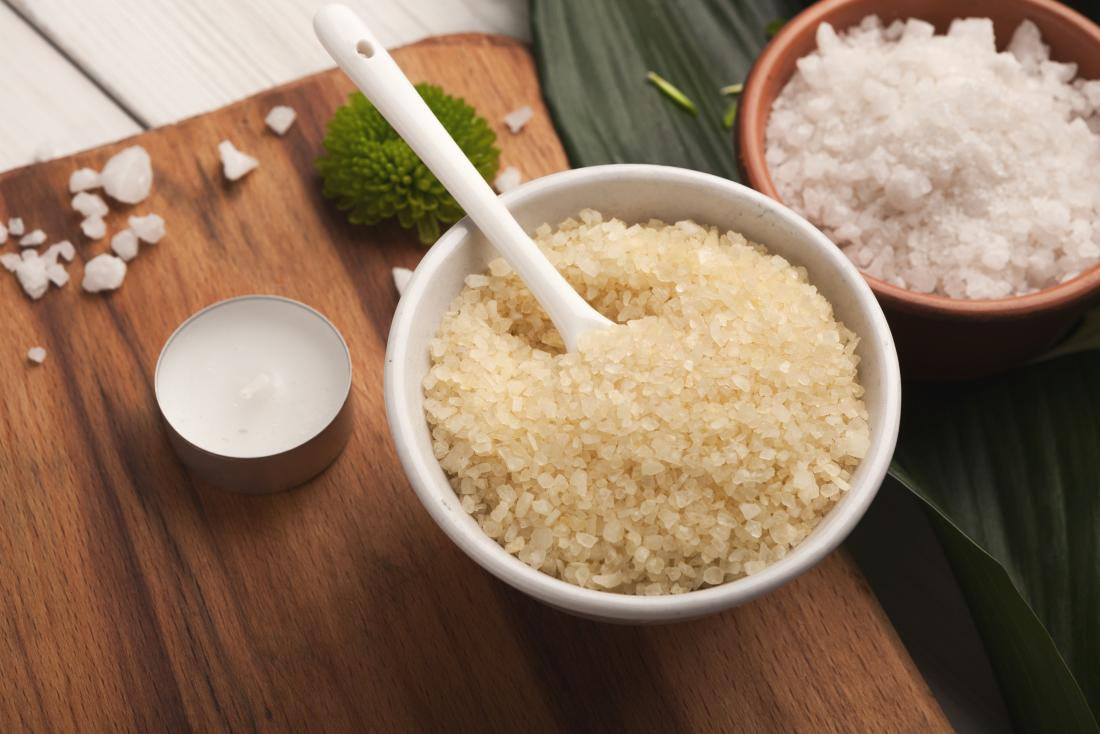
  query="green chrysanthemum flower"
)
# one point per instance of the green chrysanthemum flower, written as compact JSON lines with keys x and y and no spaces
{"x":374,"y":175}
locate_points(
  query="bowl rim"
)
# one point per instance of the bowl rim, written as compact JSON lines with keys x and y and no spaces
{"x":751,"y":128}
{"x":485,"y":551}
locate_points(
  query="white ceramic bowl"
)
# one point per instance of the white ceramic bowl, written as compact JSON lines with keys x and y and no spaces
{"x":637,"y":193}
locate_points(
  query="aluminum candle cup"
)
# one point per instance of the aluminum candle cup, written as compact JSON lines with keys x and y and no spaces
{"x":255,"y":393}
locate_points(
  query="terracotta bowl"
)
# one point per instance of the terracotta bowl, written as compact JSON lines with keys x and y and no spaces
{"x":938,"y":337}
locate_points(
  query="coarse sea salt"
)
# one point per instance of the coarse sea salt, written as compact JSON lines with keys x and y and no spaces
{"x":37,"y":355}
{"x":148,"y":228}
{"x":103,"y":273}
{"x":628,"y":464}
{"x":15,"y":226}
{"x":518,"y":118}
{"x":280,"y":118}
{"x":124,"y":243}
{"x":939,"y":164}
{"x":32,"y":275}
{"x":235,"y":163}
{"x":508,"y":179}
{"x":57,"y":274}
{"x":128,"y":175}
{"x":93,"y":228}
{"x":33,"y":239}
{"x":83,"y":179}
{"x":10,"y":261}
{"x":401,"y":279}
{"x":90,"y":205}
{"x":3,"y":233}
{"x":64,"y":248}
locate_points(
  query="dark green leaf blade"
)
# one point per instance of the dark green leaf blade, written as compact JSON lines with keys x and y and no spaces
{"x":1011,"y":469}
{"x":593,"y":58}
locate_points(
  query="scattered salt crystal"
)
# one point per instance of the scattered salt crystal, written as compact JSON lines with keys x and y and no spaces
{"x":64,"y":248}
{"x":128,"y":175}
{"x":508,"y":179}
{"x":3,"y":233}
{"x":149,"y":228}
{"x":36,"y":355}
{"x":125,"y":244}
{"x":33,"y":239}
{"x":83,"y":179}
{"x":235,"y":163}
{"x":10,"y":261}
{"x":280,"y":118}
{"x":31,"y":273}
{"x":103,"y":273}
{"x":93,"y":228}
{"x":518,"y":118}
{"x":90,"y":205}
{"x":401,"y":279}
{"x":28,"y":254}
{"x":15,"y":226}
{"x":57,"y":274}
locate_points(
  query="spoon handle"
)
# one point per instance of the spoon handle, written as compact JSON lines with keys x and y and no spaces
{"x":358,"y":52}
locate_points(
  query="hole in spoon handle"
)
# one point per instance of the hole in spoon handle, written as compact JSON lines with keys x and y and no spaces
{"x":365,"y":48}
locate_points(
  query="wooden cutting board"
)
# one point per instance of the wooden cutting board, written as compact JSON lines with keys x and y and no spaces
{"x":135,"y":597}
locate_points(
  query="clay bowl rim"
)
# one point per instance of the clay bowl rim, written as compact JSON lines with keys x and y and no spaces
{"x":752,"y":119}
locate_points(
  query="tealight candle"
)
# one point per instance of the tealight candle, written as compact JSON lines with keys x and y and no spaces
{"x":255,"y":392}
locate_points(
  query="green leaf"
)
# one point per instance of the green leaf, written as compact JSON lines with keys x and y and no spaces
{"x":1009,"y":468}
{"x":593,"y":58}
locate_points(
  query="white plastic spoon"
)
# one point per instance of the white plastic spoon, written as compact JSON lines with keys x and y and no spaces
{"x":355,"y":49}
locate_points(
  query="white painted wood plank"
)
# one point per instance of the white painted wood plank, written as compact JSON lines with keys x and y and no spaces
{"x":47,"y":106}
{"x":165,"y":60}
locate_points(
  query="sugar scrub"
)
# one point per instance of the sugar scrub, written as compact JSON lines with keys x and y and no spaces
{"x":938,"y":164}
{"x":698,"y":442}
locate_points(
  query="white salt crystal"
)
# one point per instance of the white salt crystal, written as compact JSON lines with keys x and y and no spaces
{"x":32,"y":276}
{"x":90,"y":205}
{"x":937,"y":163}
{"x":149,"y":228}
{"x":28,"y":254}
{"x":93,"y":228}
{"x":125,"y":244}
{"x":33,"y":239}
{"x":235,"y":163}
{"x":128,"y":175}
{"x":57,"y":274}
{"x":64,"y":248}
{"x":518,"y":118}
{"x":401,"y":279}
{"x":10,"y":261}
{"x":36,"y":355}
{"x":83,"y":179}
{"x":15,"y":226}
{"x":508,"y":179}
{"x":3,"y":233}
{"x":103,"y":273}
{"x":280,"y":118}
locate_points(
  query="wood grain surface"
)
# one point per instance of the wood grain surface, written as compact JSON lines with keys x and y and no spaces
{"x":136,"y":598}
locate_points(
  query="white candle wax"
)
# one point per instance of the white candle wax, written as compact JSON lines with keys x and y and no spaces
{"x":253,"y":376}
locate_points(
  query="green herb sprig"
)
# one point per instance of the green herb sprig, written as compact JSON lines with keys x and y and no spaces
{"x":670,"y":91}
{"x":373,"y":174}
